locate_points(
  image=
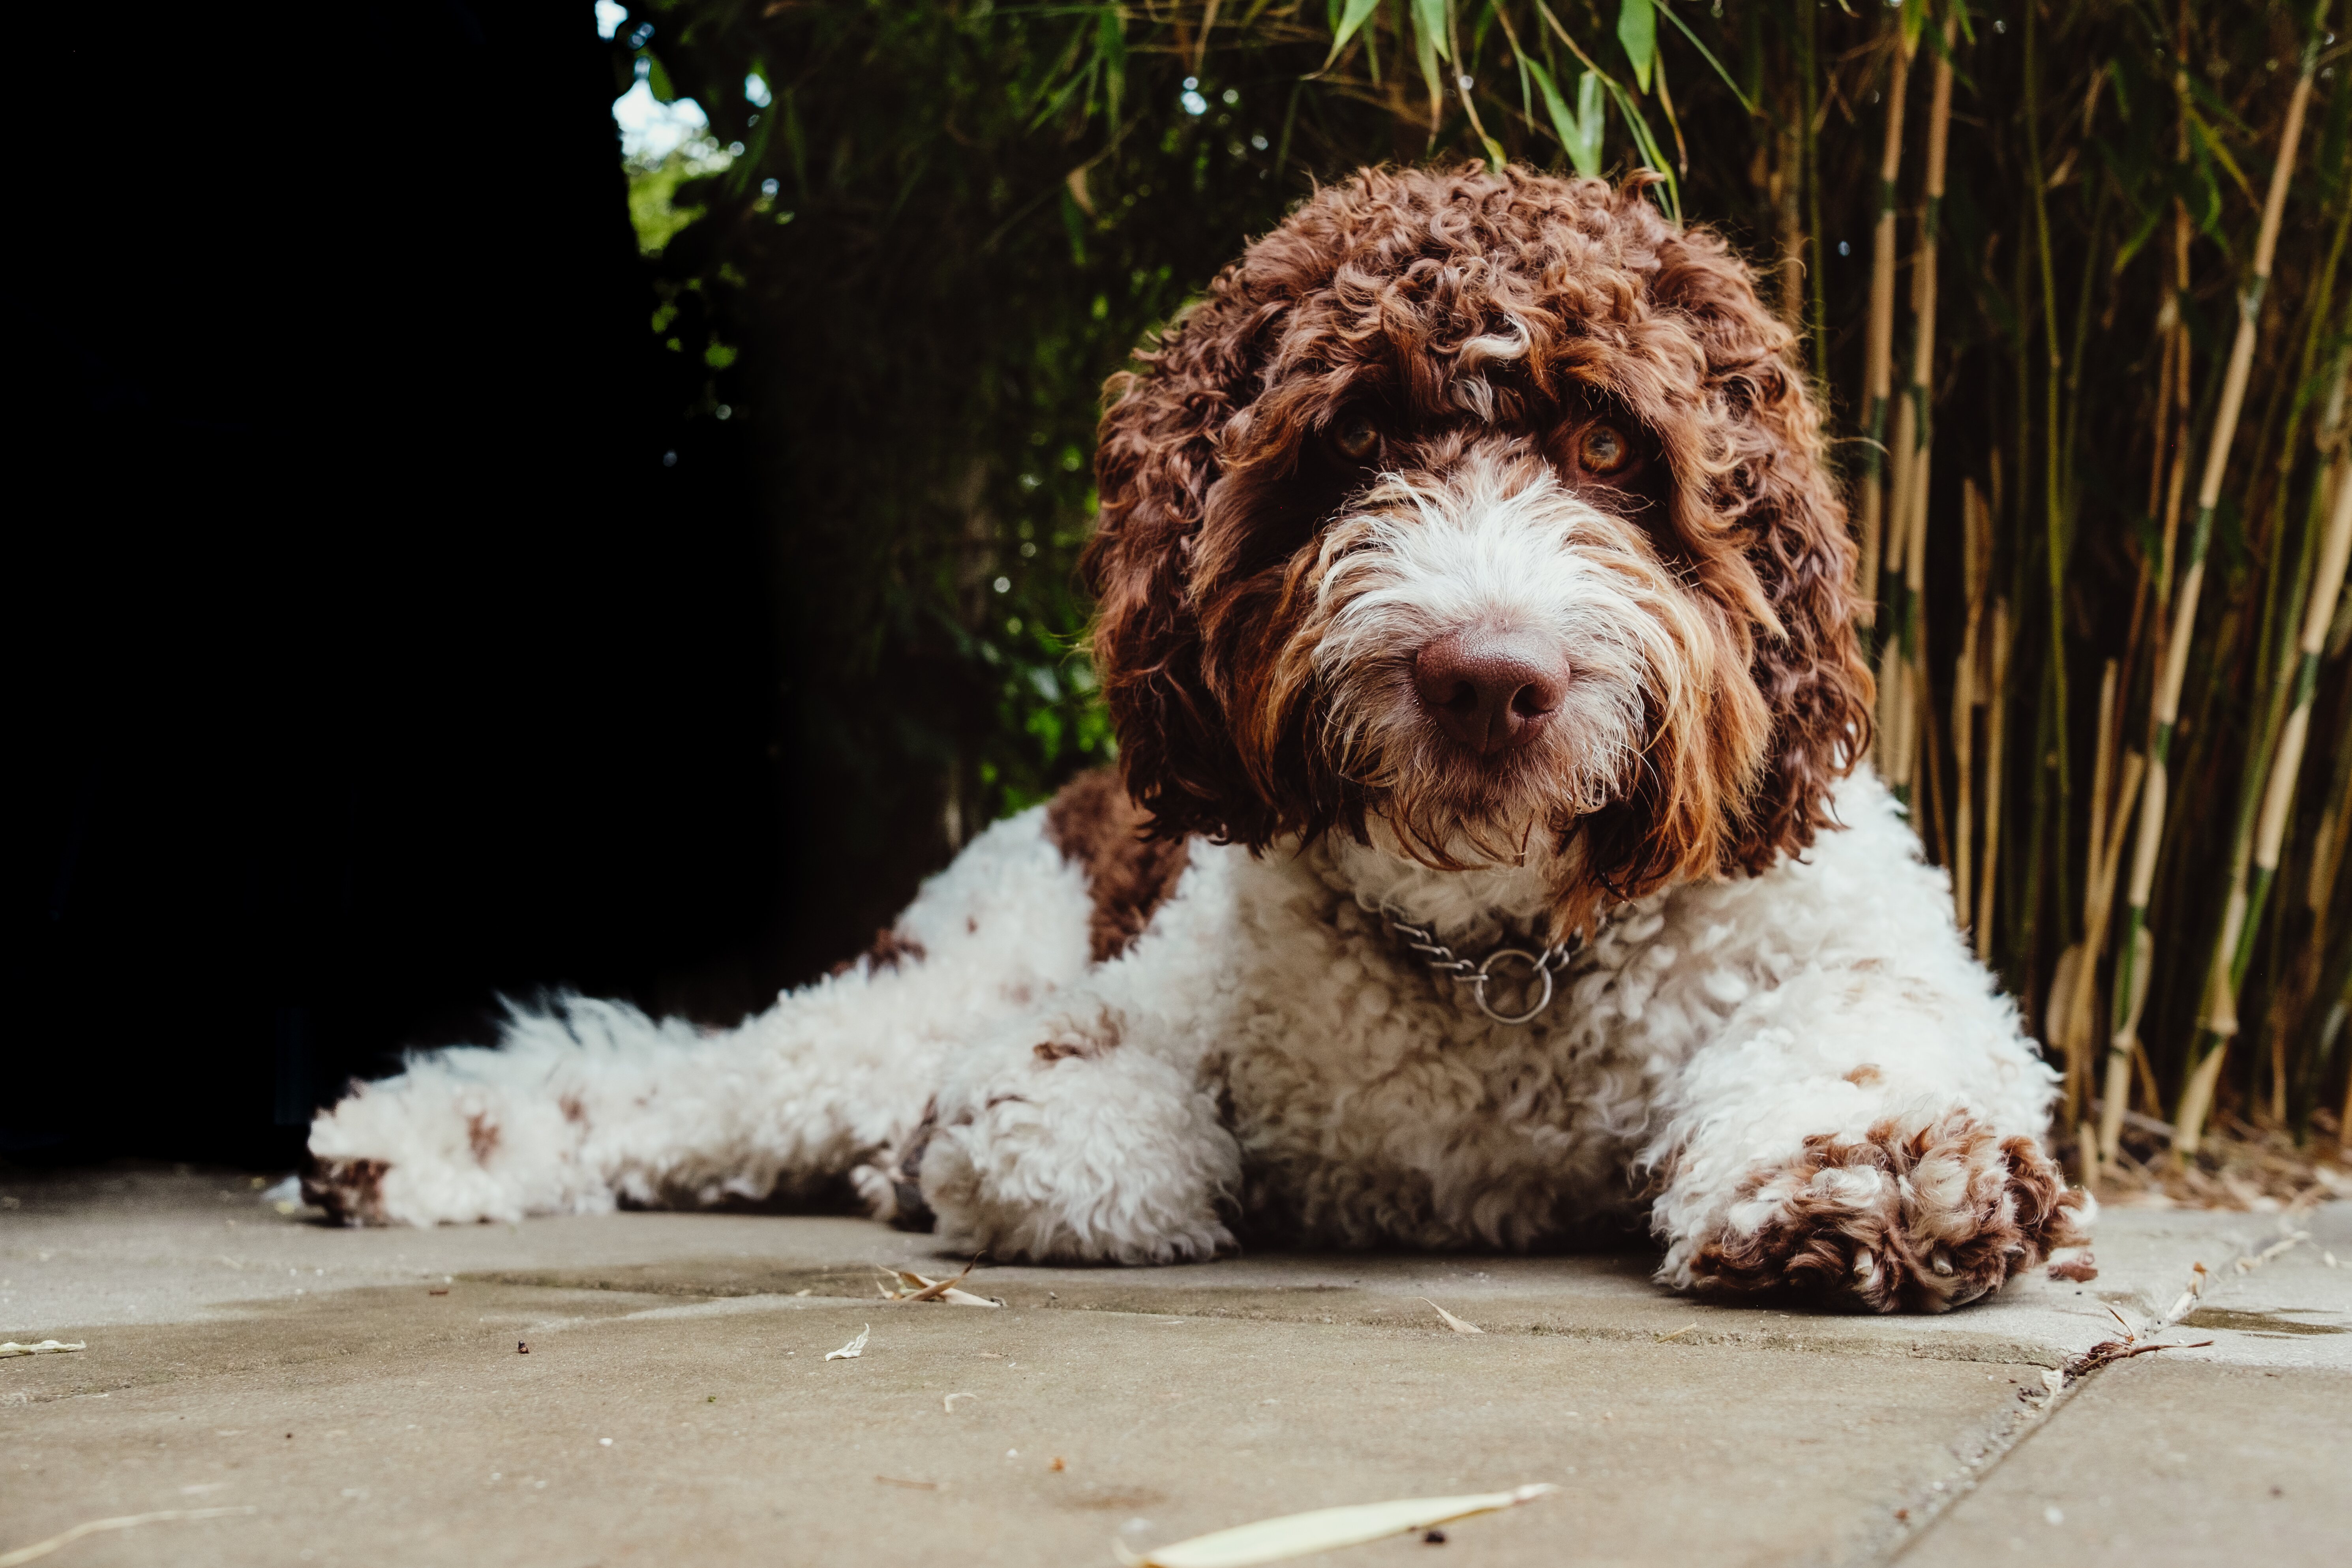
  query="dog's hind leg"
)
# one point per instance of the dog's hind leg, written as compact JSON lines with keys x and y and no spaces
{"x":585,"y":1102}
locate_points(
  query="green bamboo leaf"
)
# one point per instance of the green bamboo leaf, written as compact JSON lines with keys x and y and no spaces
{"x":1110,"y":48}
{"x":1429,"y":17}
{"x":1358,"y":12}
{"x":1707,"y":55}
{"x":1579,"y":132}
{"x":1426,"y":43}
{"x":1650,"y":154}
{"x":657,"y":78}
{"x":1915,"y":22}
{"x":2202,"y":134}
{"x":1637,"y":29}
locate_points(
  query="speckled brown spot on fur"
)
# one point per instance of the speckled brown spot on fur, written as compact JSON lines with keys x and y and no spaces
{"x":1864,"y":1076}
{"x":351,"y":1191}
{"x":888,"y":950}
{"x":1099,"y":829}
{"x":482,"y":1135}
{"x":1890,"y":1250}
{"x":573,"y":1111}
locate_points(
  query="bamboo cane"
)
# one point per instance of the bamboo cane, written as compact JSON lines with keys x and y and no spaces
{"x":1975,"y":530}
{"x":1996,"y":722}
{"x":2242,"y":919}
{"x":2130,"y":978}
{"x":1905,"y":688}
{"x":1878,"y":352}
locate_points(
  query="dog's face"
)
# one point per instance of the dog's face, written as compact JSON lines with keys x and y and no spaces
{"x":1477,"y":515}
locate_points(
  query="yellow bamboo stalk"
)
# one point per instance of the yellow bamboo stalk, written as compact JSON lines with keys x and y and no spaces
{"x":2270,"y":830}
{"x":1975,"y":532}
{"x":1906,"y":693}
{"x":1878,"y":352}
{"x":2166,"y":705}
{"x":1996,"y":722}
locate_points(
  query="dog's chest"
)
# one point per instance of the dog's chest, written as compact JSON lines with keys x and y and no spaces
{"x":1364,"y":1087}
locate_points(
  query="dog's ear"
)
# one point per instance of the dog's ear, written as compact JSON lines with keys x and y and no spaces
{"x":1774,"y":486}
{"x":1155,"y":460}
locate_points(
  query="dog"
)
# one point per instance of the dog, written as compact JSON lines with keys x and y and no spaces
{"x":1490,"y":864}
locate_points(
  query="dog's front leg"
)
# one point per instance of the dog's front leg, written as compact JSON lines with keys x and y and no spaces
{"x":1068,"y":1138}
{"x":1862,"y":1134}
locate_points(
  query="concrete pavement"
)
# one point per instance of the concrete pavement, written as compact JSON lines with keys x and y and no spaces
{"x":361,"y":1393}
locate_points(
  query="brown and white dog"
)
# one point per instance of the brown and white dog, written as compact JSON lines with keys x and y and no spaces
{"x":1476,"y":621}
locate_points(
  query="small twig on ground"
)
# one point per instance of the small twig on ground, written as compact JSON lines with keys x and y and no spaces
{"x":124,"y":1521}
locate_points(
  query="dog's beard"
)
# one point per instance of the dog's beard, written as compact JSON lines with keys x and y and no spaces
{"x":1499,"y":545}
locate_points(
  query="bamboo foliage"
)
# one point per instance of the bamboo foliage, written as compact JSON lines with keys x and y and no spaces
{"x":2086,"y":437}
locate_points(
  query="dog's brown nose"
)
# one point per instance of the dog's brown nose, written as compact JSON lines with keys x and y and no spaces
{"x":1491,"y":691}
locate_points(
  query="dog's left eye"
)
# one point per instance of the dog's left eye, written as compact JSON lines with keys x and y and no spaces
{"x":1603,"y":450}
{"x":1355,"y":438}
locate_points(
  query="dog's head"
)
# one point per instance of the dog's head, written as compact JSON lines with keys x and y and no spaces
{"x":1478,"y":515}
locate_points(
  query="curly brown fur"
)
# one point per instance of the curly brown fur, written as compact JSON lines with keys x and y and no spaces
{"x":1129,"y":873}
{"x":1943,"y":1215}
{"x":1389,"y":290}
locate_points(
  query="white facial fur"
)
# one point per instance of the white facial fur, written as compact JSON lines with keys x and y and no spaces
{"x":1500,"y":545}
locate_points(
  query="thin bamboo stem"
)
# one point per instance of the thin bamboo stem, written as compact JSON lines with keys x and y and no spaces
{"x":2130,"y":973}
{"x":1878,"y":351}
{"x":2243,"y":916}
{"x":1996,"y":725}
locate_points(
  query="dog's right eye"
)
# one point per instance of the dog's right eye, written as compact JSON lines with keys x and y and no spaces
{"x":1356,"y":438}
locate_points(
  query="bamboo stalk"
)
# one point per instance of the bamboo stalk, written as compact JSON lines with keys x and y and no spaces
{"x":1996,"y":725}
{"x":2242,"y":917}
{"x":2130,"y":978}
{"x":1975,"y":530}
{"x":1878,"y":351}
{"x":1901,"y":667}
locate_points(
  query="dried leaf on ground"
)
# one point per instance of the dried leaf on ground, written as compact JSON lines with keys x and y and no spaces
{"x":853,"y":1349}
{"x":46,"y":1347}
{"x":1324,"y":1530}
{"x":914,"y":1287}
{"x":1459,"y":1325}
{"x":2077,"y":1271}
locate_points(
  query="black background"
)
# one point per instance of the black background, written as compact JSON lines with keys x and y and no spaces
{"x":369,"y":660}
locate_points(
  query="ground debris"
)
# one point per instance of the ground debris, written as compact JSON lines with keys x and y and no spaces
{"x":904,"y":1285}
{"x":1324,"y":1530}
{"x":949,"y":1403}
{"x":1459,"y":1325}
{"x":853,"y":1349}
{"x":2076,"y":1270}
{"x":122,"y":1521}
{"x":46,"y":1347}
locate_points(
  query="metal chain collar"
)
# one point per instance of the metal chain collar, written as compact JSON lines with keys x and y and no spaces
{"x":1443,"y":962}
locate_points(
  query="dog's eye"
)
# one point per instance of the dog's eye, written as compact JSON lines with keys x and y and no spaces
{"x":1355,"y":437}
{"x":1603,"y":450}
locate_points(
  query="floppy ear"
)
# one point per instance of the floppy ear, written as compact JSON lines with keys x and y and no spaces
{"x":1155,"y":458}
{"x":1776,"y":483}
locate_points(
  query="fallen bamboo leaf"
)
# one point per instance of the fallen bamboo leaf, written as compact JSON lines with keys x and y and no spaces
{"x":912,"y":1485}
{"x":1457,"y":1324}
{"x":853,"y":1349}
{"x":920,"y":1288}
{"x":949,"y":1402}
{"x":1678,"y":1333}
{"x":123,"y":1521}
{"x":46,"y":1347}
{"x":1324,"y":1529}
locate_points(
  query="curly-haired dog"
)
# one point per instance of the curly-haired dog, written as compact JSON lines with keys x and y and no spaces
{"x":1477,"y":623}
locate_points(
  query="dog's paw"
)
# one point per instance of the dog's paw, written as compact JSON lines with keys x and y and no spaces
{"x":351,"y":1191}
{"x":1917,"y":1217}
